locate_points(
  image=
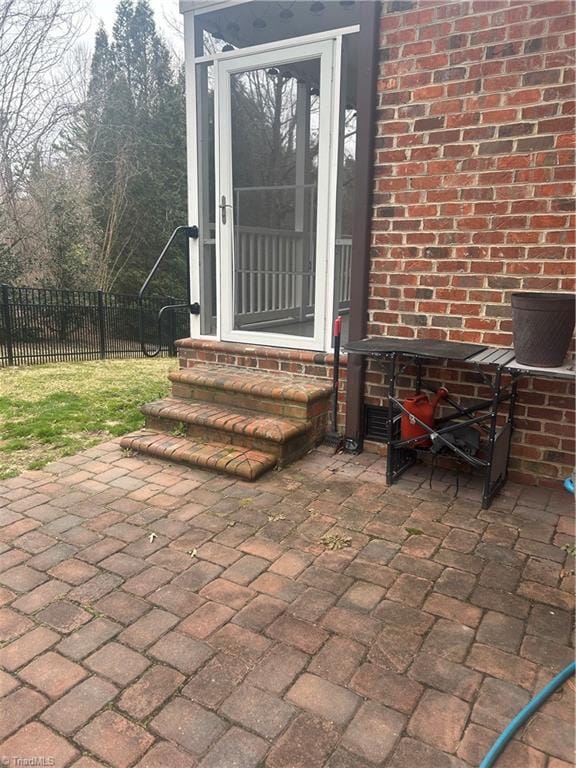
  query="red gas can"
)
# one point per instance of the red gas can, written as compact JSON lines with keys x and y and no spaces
{"x":423,"y":409}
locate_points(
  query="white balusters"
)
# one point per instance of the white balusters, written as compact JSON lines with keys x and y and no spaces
{"x":270,"y":278}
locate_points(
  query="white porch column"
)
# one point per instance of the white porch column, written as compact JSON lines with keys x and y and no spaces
{"x":300,"y":218}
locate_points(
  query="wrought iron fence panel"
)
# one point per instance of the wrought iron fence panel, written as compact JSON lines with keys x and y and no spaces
{"x":41,"y":325}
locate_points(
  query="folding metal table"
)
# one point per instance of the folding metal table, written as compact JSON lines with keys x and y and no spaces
{"x":492,"y":365}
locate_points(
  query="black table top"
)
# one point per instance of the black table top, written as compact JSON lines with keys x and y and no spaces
{"x":477,"y":354}
{"x":449,"y":350}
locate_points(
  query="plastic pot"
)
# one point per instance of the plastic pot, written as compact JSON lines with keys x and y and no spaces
{"x":543,"y":324}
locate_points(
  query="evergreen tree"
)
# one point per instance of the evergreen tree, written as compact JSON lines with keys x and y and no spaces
{"x":134,"y":132}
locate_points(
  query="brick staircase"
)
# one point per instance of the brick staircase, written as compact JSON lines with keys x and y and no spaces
{"x":240,"y":421}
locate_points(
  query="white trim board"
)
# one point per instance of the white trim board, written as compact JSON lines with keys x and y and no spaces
{"x":329,"y":34}
{"x":205,"y":6}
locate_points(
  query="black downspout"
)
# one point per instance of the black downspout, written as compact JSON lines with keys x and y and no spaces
{"x":368,"y":48}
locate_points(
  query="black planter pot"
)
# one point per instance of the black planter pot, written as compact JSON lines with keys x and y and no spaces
{"x":543,"y":325}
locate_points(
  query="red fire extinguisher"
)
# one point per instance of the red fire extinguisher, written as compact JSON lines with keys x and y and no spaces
{"x":424,"y":409}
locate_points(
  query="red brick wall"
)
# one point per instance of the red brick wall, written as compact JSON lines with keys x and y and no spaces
{"x":474,"y":188}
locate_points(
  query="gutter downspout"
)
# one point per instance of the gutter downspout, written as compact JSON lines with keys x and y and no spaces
{"x":368,"y":50}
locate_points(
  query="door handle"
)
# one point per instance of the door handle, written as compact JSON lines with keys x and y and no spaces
{"x":223,"y":205}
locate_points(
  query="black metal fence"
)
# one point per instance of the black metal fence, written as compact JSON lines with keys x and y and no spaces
{"x":41,"y":325}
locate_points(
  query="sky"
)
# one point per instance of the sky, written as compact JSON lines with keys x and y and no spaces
{"x":166,"y":15}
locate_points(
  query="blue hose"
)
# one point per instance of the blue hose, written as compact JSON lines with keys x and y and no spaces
{"x":532,"y":706}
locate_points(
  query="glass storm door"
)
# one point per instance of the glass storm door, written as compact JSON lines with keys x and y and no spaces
{"x":273,"y":198}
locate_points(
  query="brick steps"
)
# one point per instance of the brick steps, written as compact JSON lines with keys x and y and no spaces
{"x":296,"y":397}
{"x":281,"y":437}
{"x":240,"y":421}
{"x":242,"y":462}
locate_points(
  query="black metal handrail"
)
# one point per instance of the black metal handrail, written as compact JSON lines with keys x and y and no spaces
{"x":193,"y":307}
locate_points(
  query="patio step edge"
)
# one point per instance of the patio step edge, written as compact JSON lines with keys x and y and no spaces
{"x":226,"y":419}
{"x":285,"y":387}
{"x":244,"y":463}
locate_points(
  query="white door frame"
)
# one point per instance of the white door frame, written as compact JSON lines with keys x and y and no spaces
{"x":328,"y":51}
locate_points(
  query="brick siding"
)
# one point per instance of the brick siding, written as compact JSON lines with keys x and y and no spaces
{"x":474,"y":190}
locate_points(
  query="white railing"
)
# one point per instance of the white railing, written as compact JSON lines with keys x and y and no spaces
{"x":275,"y":275}
{"x":343,"y":271}
{"x":272,"y":273}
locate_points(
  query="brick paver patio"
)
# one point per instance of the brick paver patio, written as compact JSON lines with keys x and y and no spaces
{"x":167,"y":618}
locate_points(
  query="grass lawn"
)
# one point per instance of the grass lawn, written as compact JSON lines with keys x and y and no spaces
{"x":49,"y":411}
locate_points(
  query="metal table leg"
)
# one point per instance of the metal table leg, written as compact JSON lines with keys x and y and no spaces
{"x":391,"y":396}
{"x":401,"y":456}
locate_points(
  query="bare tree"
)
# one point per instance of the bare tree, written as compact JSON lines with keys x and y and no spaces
{"x":113,"y":254}
{"x":173,"y":21}
{"x":36,"y":95}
